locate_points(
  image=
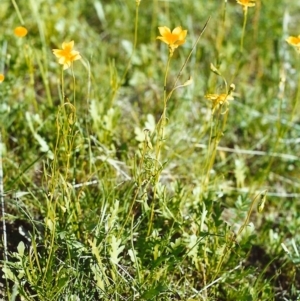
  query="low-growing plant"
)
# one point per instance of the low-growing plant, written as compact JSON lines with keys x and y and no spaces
{"x":148,"y":151}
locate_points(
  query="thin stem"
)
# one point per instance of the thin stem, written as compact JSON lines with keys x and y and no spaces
{"x":208,"y":155}
{"x":18,"y":11}
{"x":28,"y":58}
{"x":217,"y":137}
{"x":216,"y":133}
{"x":74,"y":82}
{"x":44,"y":78}
{"x":297,"y":94}
{"x":162,"y":121}
{"x":221,"y":31}
{"x":160,"y":138}
{"x":163,"y":117}
{"x":62,"y":86}
{"x":224,"y":14}
{"x":244,"y":28}
{"x":133,"y":252}
{"x":3,"y":205}
{"x":190,"y":54}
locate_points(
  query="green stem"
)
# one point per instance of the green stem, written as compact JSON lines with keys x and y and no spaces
{"x":244,"y":28}
{"x":297,"y":94}
{"x":18,"y":11}
{"x":62,"y":86}
{"x":190,"y":54}
{"x":216,"y":133}
{"x":212,"y":150}
{"x":160,"y":138}
{"x":74,"y":82}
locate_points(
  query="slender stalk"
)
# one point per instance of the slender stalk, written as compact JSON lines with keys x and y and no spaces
{"x":133,"y":252}
{"x":244,"y":28}
{"x":4,"y":48}
{"x":212,"y":151}
{"x":18,"y":11}
{"x":190,"y":54}
{"x":297,"y":98}
{"x":44,"y":76}
{"x":216,"y":133}
{"x":3,"y":204}
{"x":160,"y":138}
{"x":74,"y":83}
{"x":221,"y":31}
{"x":62,"y":86}
{"x":51,"y":202}
{"x":162,"y":121}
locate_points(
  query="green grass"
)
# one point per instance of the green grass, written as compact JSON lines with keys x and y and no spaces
{"x":172,"y":213}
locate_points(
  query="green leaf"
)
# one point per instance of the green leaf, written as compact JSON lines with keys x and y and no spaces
{"x":21,"y":248}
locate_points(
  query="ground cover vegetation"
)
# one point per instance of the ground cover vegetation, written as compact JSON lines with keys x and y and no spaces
{"x":150,"y":150}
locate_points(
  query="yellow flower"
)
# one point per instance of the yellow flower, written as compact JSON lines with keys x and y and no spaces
{"x":294,"y":41}
{"x":20,"y":31}
{"x":218,"y":100}
{"x":174,"y":38}
{"x":246,"y":3}
{"x":2,"y":77}
{"x":66,"y":55}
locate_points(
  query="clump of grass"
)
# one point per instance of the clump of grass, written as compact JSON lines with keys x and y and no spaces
{"x":133,"y":171}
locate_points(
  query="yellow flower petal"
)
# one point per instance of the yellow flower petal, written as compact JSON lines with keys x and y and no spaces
{"x":68,"y":46}
{"x":2,"y":77}
{"x":164,"y":30}
{"x":182,"y":35}
{"x":177,"y":30}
